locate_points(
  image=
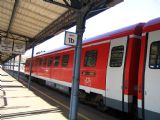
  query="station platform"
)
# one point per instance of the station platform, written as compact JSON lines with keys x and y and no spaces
{"x":19,"y":103}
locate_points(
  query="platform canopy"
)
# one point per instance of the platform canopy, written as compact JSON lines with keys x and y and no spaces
{"x":24,"y":23}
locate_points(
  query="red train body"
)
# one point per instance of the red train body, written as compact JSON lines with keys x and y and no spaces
{"x":114,"y":68}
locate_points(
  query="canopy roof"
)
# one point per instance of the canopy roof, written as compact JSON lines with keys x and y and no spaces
{"x":34,"y":21}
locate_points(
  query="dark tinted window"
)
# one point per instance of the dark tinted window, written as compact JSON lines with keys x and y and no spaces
{"x":40,"y":61}
{"x":44,"y":61}
{"x":33,"y":62}
{"x":154,"y":58}
{"x":37,"y":62}
{"x":65,"y":59}
{"x":116,"y":56}
{"x":56,"y":61}
{"x":27,"y":63}
{"x":49,"y":61}
{"x":90,"y":58}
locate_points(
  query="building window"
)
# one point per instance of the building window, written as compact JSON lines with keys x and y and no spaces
{"x":49,"y":61}
{"x":154,"y":58}
{"x":116,"y":56}
{"x":65,"y":60}
{"x":56,"y":61}
{"x":90,"y":58}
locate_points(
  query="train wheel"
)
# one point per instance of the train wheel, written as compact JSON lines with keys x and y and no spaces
{"x":101,"y":106}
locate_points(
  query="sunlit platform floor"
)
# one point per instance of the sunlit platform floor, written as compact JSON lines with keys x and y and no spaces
{"x":19,"y":103}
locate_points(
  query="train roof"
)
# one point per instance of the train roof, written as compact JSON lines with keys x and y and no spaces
{"x":129,"y":30}
{"x":54,"y":50}
{"x":151,"y":25}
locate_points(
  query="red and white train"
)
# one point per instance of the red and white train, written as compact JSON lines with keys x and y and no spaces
{"x":120,"y":69}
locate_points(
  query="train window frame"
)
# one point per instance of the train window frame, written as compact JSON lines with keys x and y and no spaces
{"x":156,"y":65}
{"x":49,"y":61}
{"x":113,"y":58}
{"x":56,"y":62}
{"x":65,"y":60}
{"x":88,"y":55}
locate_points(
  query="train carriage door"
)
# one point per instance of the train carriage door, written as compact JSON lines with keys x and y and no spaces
{"x":152,"y":77}
{"x":114,"y":76}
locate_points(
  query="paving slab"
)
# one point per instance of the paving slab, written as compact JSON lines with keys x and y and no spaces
{"x":19,"y":103}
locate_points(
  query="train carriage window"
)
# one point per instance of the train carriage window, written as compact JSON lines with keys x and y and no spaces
{"x":33,"y":63}
{"x":44,"y":61}
{"x":27,"y":63}
{"x":37,"y":62}
{"x":49,"y":61}
{"x":56,"y":61}
{"x":154,"y":58}
{"x":65,"y":60}
{"x":40,"y":62}
{"x":116,"y":56}
{"x":90,"y":58}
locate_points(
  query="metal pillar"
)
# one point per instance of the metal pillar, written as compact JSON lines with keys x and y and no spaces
{"x":10,"y":65}
{"x":81,"y":19}
{"x":31,"y":63}
{"x":19,"y":66}
{"x":7,"y":65}
{"x":13,"y":65}
{"x":3,"y":66}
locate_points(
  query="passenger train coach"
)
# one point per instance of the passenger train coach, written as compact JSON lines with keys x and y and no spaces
{"x":119,"y":69}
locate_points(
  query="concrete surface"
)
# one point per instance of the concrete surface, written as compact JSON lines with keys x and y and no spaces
{"x":18,"y":103}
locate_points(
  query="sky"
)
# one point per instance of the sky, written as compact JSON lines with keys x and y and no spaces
{"x":124,"y":14}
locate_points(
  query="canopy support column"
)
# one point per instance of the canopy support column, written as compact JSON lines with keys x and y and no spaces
{"x":13,"y":63}
{"x":30,"y":73}
{"x":81,"y":19}
{"x":19,"y":66}
{"x":10,"y":64}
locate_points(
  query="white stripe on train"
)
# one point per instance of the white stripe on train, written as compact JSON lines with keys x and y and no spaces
{"x":127,"y":98}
